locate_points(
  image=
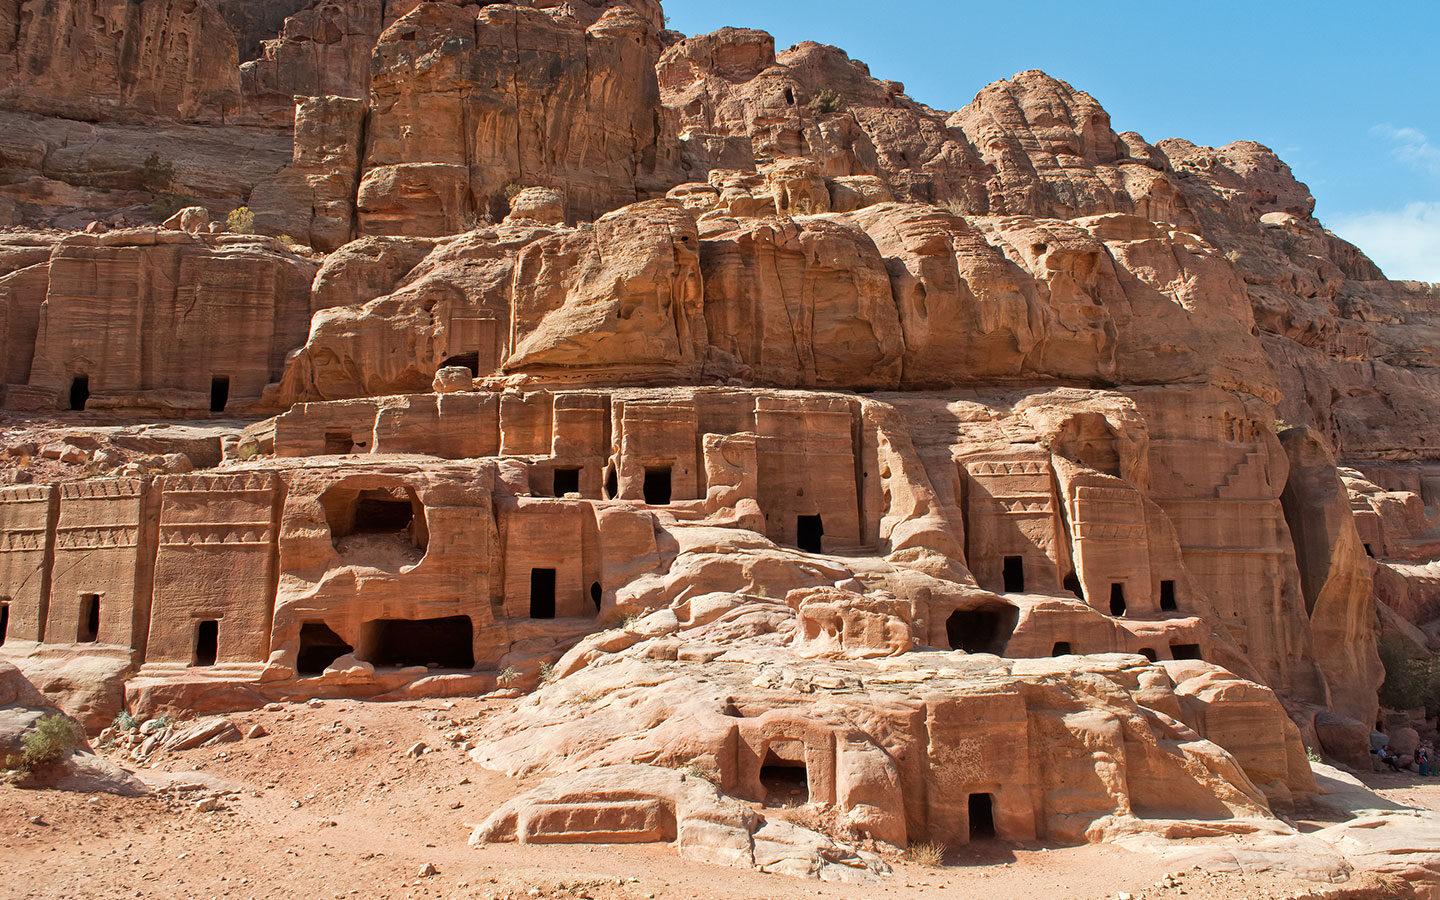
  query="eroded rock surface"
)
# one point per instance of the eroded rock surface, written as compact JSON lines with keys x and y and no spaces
{"x":831,"y":470}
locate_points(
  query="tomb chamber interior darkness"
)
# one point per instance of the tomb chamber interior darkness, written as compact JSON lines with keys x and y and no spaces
{"x":774,"y":454}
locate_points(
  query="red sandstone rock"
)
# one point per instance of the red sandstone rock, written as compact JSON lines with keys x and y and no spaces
{"x":1072,"y":561}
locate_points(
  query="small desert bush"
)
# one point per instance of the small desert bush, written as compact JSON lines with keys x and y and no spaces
{"x":53,"y":737}
{"x":1313,"y":755}
{"x":927,"y":853}
{"x":241,"y":220}
{"x":507,"y":676}
{"x":827,"y":101}
{"x":123,"y":721}
{"x":697,"y":769}
{"x":547,"y":671}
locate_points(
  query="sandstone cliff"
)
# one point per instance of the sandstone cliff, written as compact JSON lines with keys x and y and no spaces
{"x":755,"y":415}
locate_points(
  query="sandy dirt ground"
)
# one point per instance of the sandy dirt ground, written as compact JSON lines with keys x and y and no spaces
{"x":329,"y":804}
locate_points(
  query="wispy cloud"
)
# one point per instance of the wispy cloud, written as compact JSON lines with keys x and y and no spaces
{"x":1405,"y":243}
{"x":1411,"y":145}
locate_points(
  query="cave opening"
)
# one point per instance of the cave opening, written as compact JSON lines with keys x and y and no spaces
{"x":444,"y":643}
{"x":1072,"y":584}
{"x":469,"y":361}
{"x":339,"y":443}
{"x":1061,"y":648}
{"x":319,"y":648}
{"x":786,"y":781}
{"x":566,"y":481}
{"x":983,"y":630}
{"x":1185,"y":651}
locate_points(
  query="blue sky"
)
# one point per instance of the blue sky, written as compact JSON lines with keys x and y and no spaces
{"x":1346,"y":94}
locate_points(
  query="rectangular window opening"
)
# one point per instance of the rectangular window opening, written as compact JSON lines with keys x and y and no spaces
{"x":1167,"y":596}
{"x":657,"y":486}
{"x":88,"y":631}
{"x":542,"y":593}
{"x":79,"y":391}
{"x":982,"y":816}
{"x":338,"y":443}
{"x":1185,"y":651}
{"x":207,"y":643}
{"x":567,"y":481}
{"x":219,"y":393}
{"x":810,"y":534}
{"x":1117,"y":599}
{"x":1014,"y":574}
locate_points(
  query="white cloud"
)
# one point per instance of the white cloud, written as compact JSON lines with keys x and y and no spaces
{"x":1405,"y":243}
{"x":1411,"y":146}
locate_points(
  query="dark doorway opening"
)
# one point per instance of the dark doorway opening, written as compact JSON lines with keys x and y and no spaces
{"x":338,"y":443}
{"x":469,"y":361}
{"x":1148,"y":653}
{"x":319,"y":647}
{"x":809,"y":534}
{"x":657,"y":486}
{"x":1014,"y":574}
{"x":567,"y":481}
{"x":377,"y":512}
{"x":1185,"y":651}
{"x":595,"y":593}
{"x":1368,"y":551}
{"x":4,"y":622}
{"x":985,"y":630}
{"x":542,"y":593}
{"x":207,"y":643}
{"x":789,"y":96}
{"x":982,"y":817}
{"x":446,"y":643}
{"x":1167,"y":596}
{"x":1061,"y":648}
{"x":1072,"y":584}
{"x":785,"y":781}
{"x":612,"y":484}
{"x":219,"y":393}
{"x":79,"y":391}
{"x":1117,"y":599}
{"x":89,"y":629}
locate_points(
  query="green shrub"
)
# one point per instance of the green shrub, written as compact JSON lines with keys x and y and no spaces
{"x":123,"y":721}
{"x":53,"y":737}
{"x":827,"y":101}
{"x":241,"y":220}
{"x":507,"y":676}
{"x":547,"y":671}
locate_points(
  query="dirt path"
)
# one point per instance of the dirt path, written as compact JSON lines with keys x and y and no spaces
{"x":330,"y":805}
